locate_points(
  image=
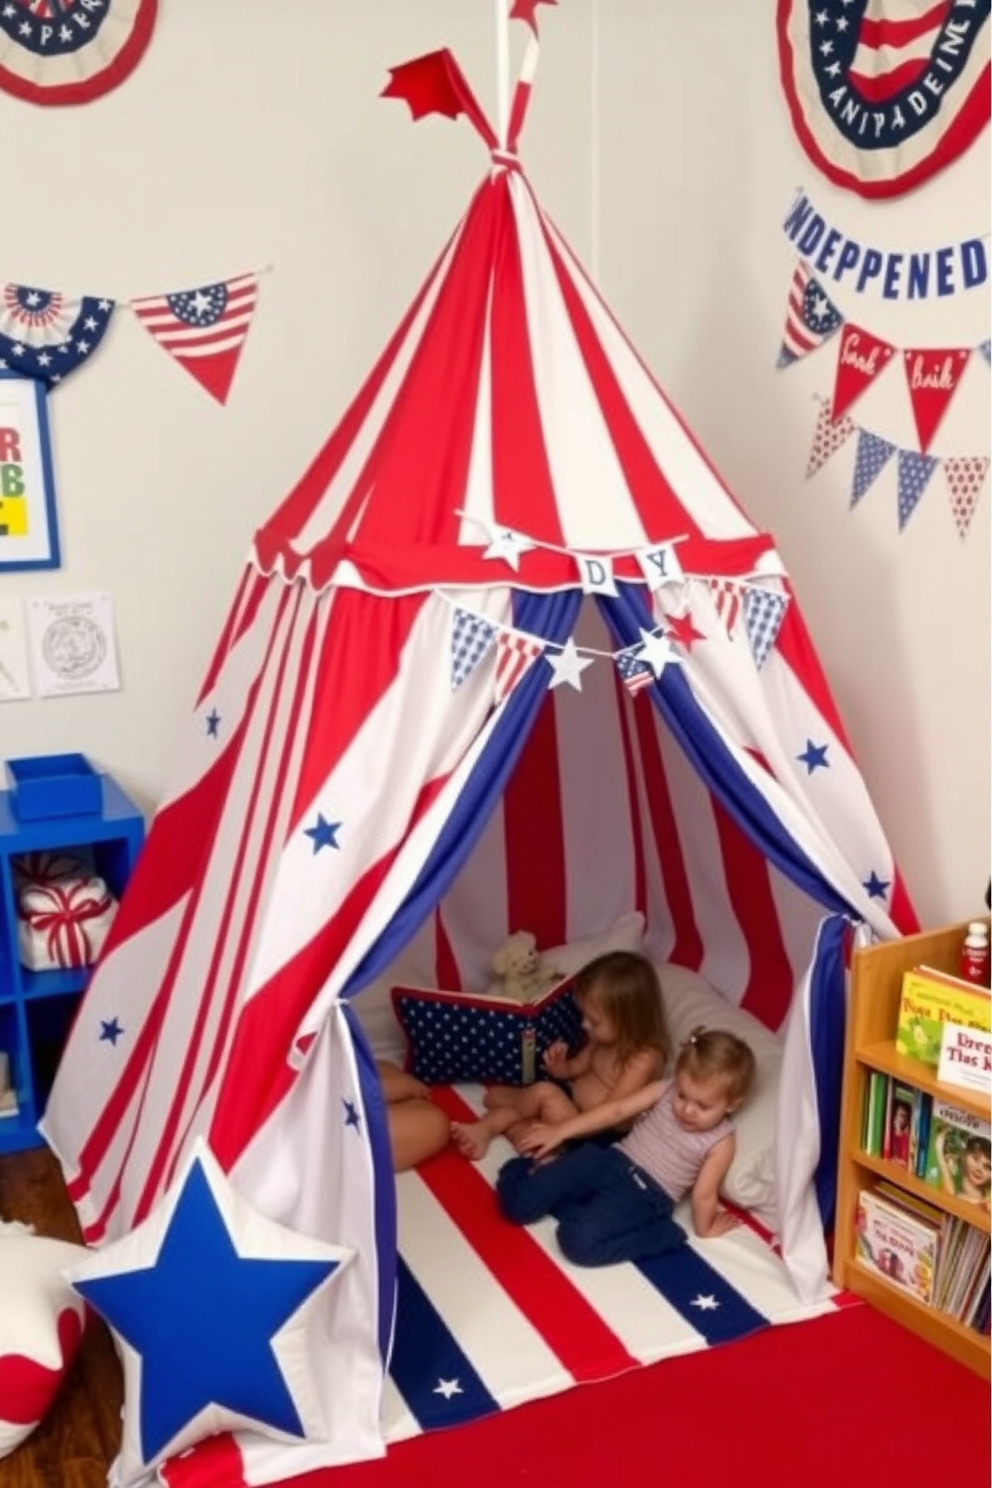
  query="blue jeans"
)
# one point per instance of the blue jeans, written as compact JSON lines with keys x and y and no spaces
{"x":608,"y":1209}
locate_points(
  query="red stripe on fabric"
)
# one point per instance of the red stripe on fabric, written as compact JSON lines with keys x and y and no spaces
{"x":887,"y":84}
{"x":240,"y":617}
{"x":567,"y":1323}
{"x":257,"y":1075}
{"x":534,"y":836}
{"x":768,"y":994}
{"x":658,"y":505}
{"x":446,"y":972}
{"x":163,"y":1166}
{"x":633,"y":804}
{"x":293,"y":514}
{"x":418,"y":471}
{"x":27,"y":1386}
{"x":885,"y":32}
{"x":795,"y":647}
{"x":523,"y":493}
{"x":173,"y":832}
{"x":361,"y":651}
{"x":573,"y":270}
{"x":215,"y":1462}
{"x":687,"y":949}
{"x":901,"y":911}
{"x":518,"y":113}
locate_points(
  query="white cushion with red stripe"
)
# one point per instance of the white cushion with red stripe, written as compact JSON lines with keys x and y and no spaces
{"x":41,"y":1324}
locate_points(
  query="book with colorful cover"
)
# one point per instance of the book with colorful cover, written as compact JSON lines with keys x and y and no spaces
{"x":900,"y":1245}
{"x":959,"y":1154}
{"x":965,"y":1057}
{"x":900,"y":1121}
{"x":929,"y":1000}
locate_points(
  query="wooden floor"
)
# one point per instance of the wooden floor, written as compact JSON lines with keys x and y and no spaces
{"x":75,"y":1444}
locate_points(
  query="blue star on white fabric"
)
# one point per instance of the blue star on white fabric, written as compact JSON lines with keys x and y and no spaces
{"x":324,"y":833}
{"x":814,"y":757}
{"x":875,"y":887}
{"x":351,"y":1116}
{"x":197,"y":1296}
{"x":213,"y":723}
{"x":110,"y":1031}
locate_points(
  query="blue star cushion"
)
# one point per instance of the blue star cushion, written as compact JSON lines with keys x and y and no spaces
{"x":211,"y":1305}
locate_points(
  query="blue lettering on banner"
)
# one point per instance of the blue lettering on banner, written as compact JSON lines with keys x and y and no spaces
{"x":898,"y":275}
{"x":883,"y":123}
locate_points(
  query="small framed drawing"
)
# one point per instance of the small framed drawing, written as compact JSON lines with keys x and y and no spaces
{"x":29,"y":536}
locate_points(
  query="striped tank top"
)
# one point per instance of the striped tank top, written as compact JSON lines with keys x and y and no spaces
{"x":671,"y":1155}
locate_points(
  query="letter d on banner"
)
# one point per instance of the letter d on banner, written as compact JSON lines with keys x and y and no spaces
{"x":660,"y":565}
{"x":596,"y":574}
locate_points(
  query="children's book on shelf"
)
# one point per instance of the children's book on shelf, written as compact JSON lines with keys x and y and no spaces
{"x":929,"y":1000}
{"x":8,"y":1096}
{"x":898,"y":1242}
{"x":965,"y":1057}
{"x":959,"y":1154}
{"x":899,"y":1121}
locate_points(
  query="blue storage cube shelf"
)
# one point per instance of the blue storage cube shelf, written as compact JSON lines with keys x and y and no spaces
{"x":44,"y":786}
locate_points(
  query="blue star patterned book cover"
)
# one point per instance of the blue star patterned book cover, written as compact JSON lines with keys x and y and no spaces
{"x":459,"y":1036}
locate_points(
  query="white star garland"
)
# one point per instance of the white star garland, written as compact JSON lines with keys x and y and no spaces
{"x":568,"y":666}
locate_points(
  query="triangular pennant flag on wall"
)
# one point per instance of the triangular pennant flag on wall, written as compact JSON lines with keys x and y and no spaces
{"x":915,"y":471}
{"x":471,"y":638}
{"x":828,"y":437}
{"x":727,"y":595}
{"x":204,"y":329}
{"x":986,"y":350}
{"x":860,"y":358}
{"x":810,"y":317}
{"x":932,"y":377}
{"x":965,"y":476}
{"x":763,"y":616}
{"x":872,"y":455}
{"x":514,"y":654}
{"x":45,"y":336}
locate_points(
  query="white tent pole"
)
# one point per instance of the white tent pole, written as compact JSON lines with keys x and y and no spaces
{"x":502,"y":70}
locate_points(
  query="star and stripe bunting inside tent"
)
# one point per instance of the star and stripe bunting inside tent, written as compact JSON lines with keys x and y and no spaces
{"x":372,"y":781}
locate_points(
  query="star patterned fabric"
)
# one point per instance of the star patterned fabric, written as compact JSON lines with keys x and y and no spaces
{"x":197,"y":1297}
{"x":45,"y":335}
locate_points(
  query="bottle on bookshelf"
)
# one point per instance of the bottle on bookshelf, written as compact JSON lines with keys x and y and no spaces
{"x":929,"y":1000}
{"x":974,"y":965}
{"x":959,"y":1154}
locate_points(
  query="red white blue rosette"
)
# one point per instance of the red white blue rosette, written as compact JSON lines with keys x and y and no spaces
{"x":71,"y":51}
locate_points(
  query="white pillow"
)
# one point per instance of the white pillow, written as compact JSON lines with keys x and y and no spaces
{"x":216,"y":1311}
{"x":374,"y":1009}
{"x":626,"y":934}
{"x":41,"y":1324}
{"x":690,"y":1001}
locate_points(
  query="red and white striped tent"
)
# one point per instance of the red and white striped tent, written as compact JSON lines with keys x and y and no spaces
{"x":509,"y":654}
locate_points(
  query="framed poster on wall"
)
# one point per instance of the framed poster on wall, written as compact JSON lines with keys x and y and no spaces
{"x":29,"y":535}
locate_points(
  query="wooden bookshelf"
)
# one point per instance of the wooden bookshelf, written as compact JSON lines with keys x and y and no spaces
{"x":876,"y":986}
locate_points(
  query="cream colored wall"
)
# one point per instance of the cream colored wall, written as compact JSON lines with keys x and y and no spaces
{"x":657,"y":140}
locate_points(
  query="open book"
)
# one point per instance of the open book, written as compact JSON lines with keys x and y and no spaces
{"x":462,"y":1036}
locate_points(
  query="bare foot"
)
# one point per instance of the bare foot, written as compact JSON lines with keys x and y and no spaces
{"x":471,"y":1138}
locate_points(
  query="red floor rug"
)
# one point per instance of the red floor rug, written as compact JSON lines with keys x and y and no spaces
{"x":849,"y":1401}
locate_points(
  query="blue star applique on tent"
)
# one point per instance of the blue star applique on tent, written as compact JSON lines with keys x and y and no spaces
{"x":323,"y":833}
{"x":200,"y":1316}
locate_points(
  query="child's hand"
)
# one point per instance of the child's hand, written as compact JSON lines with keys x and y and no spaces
{"x":539,"y":1140}
{"x":721,"y":1223}
{"x":556,"y":1059}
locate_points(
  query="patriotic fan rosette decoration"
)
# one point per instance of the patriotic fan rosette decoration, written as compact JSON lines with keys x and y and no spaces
{"x":46,"y":335}
{"x":884,"y":93}
{"x":71,"y":51}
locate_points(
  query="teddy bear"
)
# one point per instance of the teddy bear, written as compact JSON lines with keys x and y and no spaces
{"x":522,"y":974}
